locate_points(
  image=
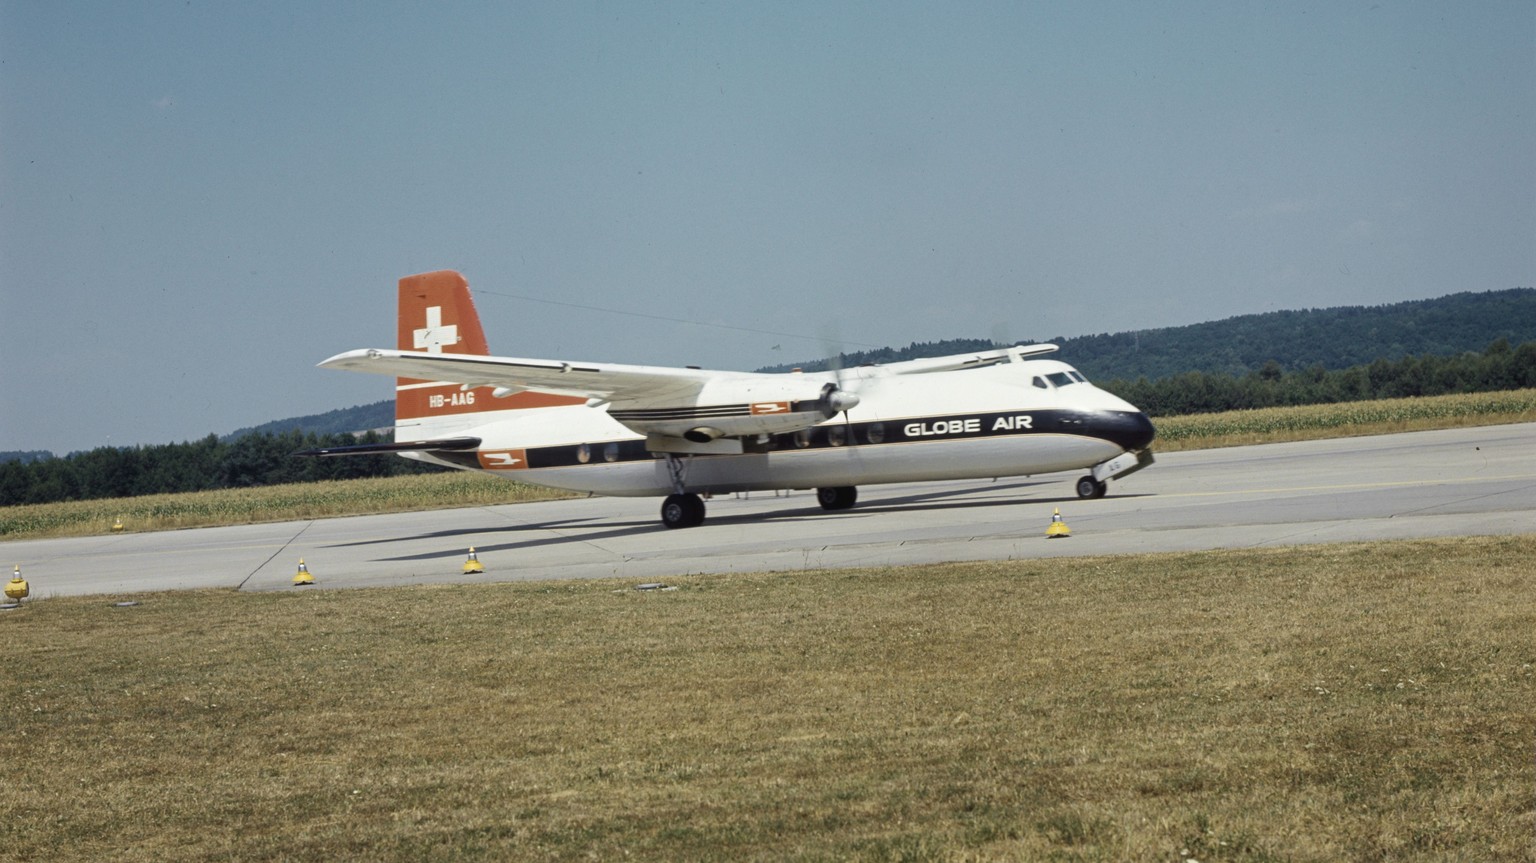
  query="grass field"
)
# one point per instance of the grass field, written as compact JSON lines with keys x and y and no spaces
{"x":437,"y":491}
{"x":1351,"y":702}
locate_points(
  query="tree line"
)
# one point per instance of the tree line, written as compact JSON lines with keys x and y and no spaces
{"x":266,"y":458}
{"x":1499,"y":367}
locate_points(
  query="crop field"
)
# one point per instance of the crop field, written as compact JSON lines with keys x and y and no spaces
{"x":1271,"y":425}
{"x":1352,"y":702}
{"x":268,"y":503}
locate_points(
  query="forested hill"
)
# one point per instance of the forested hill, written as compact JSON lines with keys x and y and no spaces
{"x":378,"y":416}
{"x":1334,"y":338}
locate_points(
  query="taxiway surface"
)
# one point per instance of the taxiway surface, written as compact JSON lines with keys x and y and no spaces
{"x":1462,"y":482}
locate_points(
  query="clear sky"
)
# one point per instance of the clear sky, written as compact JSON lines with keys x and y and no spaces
{"x":201,"y":200}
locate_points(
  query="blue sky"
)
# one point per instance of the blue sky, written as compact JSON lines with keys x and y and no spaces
{"x":199,"y":201}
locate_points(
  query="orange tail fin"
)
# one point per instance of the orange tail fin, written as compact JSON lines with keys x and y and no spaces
{"x":437,"y":315}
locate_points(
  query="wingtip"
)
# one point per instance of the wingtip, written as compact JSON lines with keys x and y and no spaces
{"x":350,"y":359}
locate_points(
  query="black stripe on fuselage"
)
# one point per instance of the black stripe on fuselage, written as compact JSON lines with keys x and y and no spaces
{"x":687,"y":413}
{"x":1126,"y":429}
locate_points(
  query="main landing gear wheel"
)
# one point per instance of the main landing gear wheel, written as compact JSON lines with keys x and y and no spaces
{"x":682,"y":510}
{"x":1089,"y":488}
{"x":841,"y":497}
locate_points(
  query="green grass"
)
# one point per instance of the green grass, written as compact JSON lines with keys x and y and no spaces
{"x":1352,"y":702}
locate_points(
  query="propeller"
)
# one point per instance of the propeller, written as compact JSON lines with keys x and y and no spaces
{"x":836,"y":400}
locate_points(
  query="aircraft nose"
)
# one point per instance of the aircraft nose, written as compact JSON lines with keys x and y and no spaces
{"x":1145,"y":432}
{"x":1131,"y":430}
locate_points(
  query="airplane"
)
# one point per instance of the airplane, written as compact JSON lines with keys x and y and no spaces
{"x":682,"y":433}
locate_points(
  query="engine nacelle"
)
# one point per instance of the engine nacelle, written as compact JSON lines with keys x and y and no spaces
{"x":733,"y":409}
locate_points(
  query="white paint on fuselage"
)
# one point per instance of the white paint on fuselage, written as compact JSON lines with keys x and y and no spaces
{"x":895,"y":400}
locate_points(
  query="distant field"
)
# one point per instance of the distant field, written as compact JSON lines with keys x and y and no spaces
{"x":267,"y":503}
{"x":1348,"y":702}
{"x":1311,"y":422}
{"x":438,"y":491}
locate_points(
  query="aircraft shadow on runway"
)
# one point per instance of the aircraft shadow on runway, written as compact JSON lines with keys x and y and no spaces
{"x":936,"y":500}
{"x":475,"y":531}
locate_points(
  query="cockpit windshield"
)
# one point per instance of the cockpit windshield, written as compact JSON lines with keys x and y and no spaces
{"x":1060,"y":379}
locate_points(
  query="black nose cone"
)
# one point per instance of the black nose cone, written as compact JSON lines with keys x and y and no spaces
{"x":1130,"y":430}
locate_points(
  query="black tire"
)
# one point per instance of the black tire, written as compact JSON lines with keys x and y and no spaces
{"x":840,"y":497}
{"x":1089,"y":488}
{"x":682,"y":510}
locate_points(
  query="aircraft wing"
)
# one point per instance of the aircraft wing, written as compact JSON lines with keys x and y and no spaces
{"x":603,"y":382}
{"x":693,"y":404}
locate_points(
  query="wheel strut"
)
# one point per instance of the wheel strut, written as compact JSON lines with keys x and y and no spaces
{"x":681,"y":508}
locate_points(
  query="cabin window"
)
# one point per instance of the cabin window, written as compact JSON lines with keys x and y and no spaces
{"x":1077,"y":376}
{"x":611,"y":452}
{"x":1060,"y":379}
{"x":837,"y":435}
{"x":1040,"y":382}
{"x":875,"y":432}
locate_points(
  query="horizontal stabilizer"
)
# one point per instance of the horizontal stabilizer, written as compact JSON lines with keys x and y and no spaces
{"x":452,"y":444}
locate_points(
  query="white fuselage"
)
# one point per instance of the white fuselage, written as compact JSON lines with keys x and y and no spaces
{"x":1027,"y":416}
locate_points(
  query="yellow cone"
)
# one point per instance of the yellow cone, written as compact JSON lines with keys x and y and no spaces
{"x":117,"y":526}
{"x":303,"y":577}
{"x":18,"y":588}
{"x":1058,"y":527}
{"x":473,"y":564}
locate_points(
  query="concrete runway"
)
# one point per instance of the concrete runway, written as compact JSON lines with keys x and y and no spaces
{"x":1463,"y":482}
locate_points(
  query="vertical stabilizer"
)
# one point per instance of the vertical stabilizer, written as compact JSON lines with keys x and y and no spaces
{"x":437,"y":315}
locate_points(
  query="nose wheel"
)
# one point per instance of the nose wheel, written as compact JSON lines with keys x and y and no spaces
{"x":1089,"y":488}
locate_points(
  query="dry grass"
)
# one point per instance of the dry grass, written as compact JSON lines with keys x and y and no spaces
{"x":1360,"y":702}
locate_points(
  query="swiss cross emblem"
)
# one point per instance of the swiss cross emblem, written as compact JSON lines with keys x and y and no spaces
{"x":435,"y":335}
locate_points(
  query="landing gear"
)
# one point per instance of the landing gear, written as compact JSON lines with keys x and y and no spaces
{"x":841,"y":497}
{"x":1089,"y":488}
{"x":682,"y":510}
